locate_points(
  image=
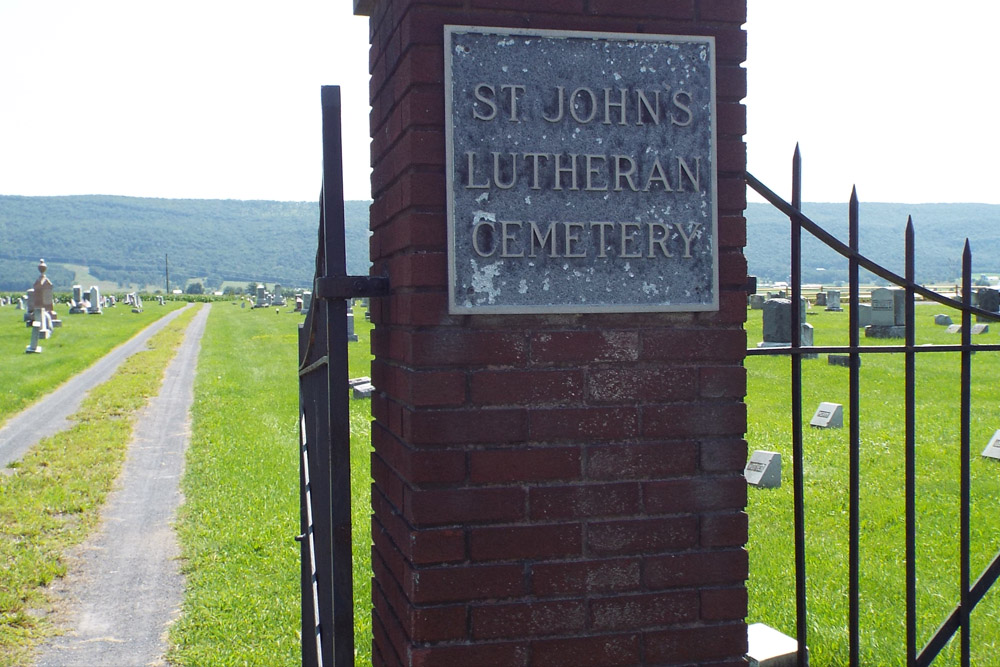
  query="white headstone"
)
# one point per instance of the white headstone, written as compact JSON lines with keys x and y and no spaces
{"x":767,"y":647}
{"x":993,"y":447}
{"x":764,"y":469}
{"x":828,"y":415}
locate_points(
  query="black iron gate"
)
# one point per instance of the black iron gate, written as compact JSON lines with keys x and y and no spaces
{"x":968,"y":595}
{"x":324,"y":426}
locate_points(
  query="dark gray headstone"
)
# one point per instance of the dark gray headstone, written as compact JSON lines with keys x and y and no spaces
{"x":821,"y":298}
{"x":841,"y":360}
{"x":989,"y":299}
{"x":942,"y":320}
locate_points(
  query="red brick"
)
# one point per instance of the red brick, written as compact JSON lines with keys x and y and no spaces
{"x":690,"y":645}
{"x":434,"y":388}
{"x":732,"y":11}
{"x":644,"y":611}
{"x":419,"y":269}
{"x":524,"y":387}
{"x":536,"y":542}
{"x":732,"y":269}
{"x":724,"y":604}
{"x":557,"y":424}
{"x":696,"y":568}
{"x":465,"y":347}
{"x":723,"y":455}
{"x":452,"y":506}
{"x":421,"y":309}
{"x":722,"y":382}
{"x":507,"y":654}
{"x":648,"y":385}
{"x":421,"y":624}
{"x":642,"y":461}
{"x":584,"y":346}
{"x":386,"y":481}
{"x":464,"y":427}
{"x":724,"y":529}
{"x":465,"y":583}
{"x":420,"y":546}
{"x":499,"y":466}
{"x":534,"y":619}
{"x":583,"y":501}
{"x":644,"y":9}
{"x":419,"y":466}
{"x":637,"y":536}
{"x":585,"y":577}
{"x":686,"y":345}
{"x":695,"y":494}
{"x":684,"y":420}
{"x":598,"y":651}
{"x":388,"y":632}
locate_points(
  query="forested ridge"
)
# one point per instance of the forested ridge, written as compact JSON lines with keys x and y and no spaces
{"x":125,"y":240}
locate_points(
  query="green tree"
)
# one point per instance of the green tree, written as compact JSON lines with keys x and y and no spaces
{"x":195,"y":288}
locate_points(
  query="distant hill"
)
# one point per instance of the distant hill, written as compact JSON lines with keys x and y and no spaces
{"x":940,"y":231}
{"x":122,"y":241}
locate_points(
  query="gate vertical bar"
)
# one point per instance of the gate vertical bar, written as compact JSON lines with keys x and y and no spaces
{"x":910,"y":453}
{"x":797,"y":454}
{"x":966,"y":401}
{"x":340,"y":432}
{"x":854,"y":407}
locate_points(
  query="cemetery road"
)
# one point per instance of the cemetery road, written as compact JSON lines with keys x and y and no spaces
{"x":124,"y":586}
{"x":51,"y":413}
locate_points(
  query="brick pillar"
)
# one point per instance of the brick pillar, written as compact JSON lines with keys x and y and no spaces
{"x":549,"y":489}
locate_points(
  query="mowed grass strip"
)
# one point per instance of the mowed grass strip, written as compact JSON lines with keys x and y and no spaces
{"x":241,"y":489}
{"x":826,"y":466}
{"x":50,"y":500}
{"x":77,"y":344}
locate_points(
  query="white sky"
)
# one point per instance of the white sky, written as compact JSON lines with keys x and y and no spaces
{"x":220,"y":99}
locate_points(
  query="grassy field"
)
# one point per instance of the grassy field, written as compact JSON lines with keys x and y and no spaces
{"x":826,"y":462}
{"x":241,"y":495}
{"x":51,"y":499}
{"x":82,"y":340}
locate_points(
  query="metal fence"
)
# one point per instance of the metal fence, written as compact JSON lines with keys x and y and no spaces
{"x":968,"y":595}
{"x":324,"y":422}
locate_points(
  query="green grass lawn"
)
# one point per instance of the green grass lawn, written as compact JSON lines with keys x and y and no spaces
{"x":241,"y":510}
{"x":51,"y":499}
{"x":826,"y":465}
{"x":78,"y":343}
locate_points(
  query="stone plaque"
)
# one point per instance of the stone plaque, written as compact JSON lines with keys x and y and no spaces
{"x":764,"y":469}
{"x":581,"y":171}
{"x":828,"y":415}
{"x":993,"y":447}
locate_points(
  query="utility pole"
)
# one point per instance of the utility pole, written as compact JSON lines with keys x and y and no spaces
{"x":166,"y":268}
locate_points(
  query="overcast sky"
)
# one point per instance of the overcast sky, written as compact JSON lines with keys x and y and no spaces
{"x":220,"y":99}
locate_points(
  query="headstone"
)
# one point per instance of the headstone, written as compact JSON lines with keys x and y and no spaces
{"x":980,"y":328}
{"x":833,"y":301}
{"x":757,"y":301}
{"x":362,"y":390}
{"x":354,"y":382}
{"x":820,"y":298}
{"x":888,"y":306}
{"x":243,"y":304}
{"x":159,"y":300}
{"x":279,"y":298}
{"x":828,"y":415}
{"x":864,"y":315}
{"x":841,"y":360}
{"x":767,"y":647}
{"x":95,"y":301}
{"x":20,"y":303}
{"x":989,"y":299}
{"x":778,"y":327}
{"x":298,"y":303}
{"x":306,"y":302}
{"x":43,"y":318}
{"x":351,"y":336}
{"x":942,"y":320}
{"x":261,"y":297}
{"x":763,"y":469}
{"x":992,"y":450}
{"x":76,"y":306}
{"x":954,"y":328}
{"x":136,"y":303}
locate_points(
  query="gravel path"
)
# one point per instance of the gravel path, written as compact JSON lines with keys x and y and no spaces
{"x":50,"y":414}
{"x":124,"y":587}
